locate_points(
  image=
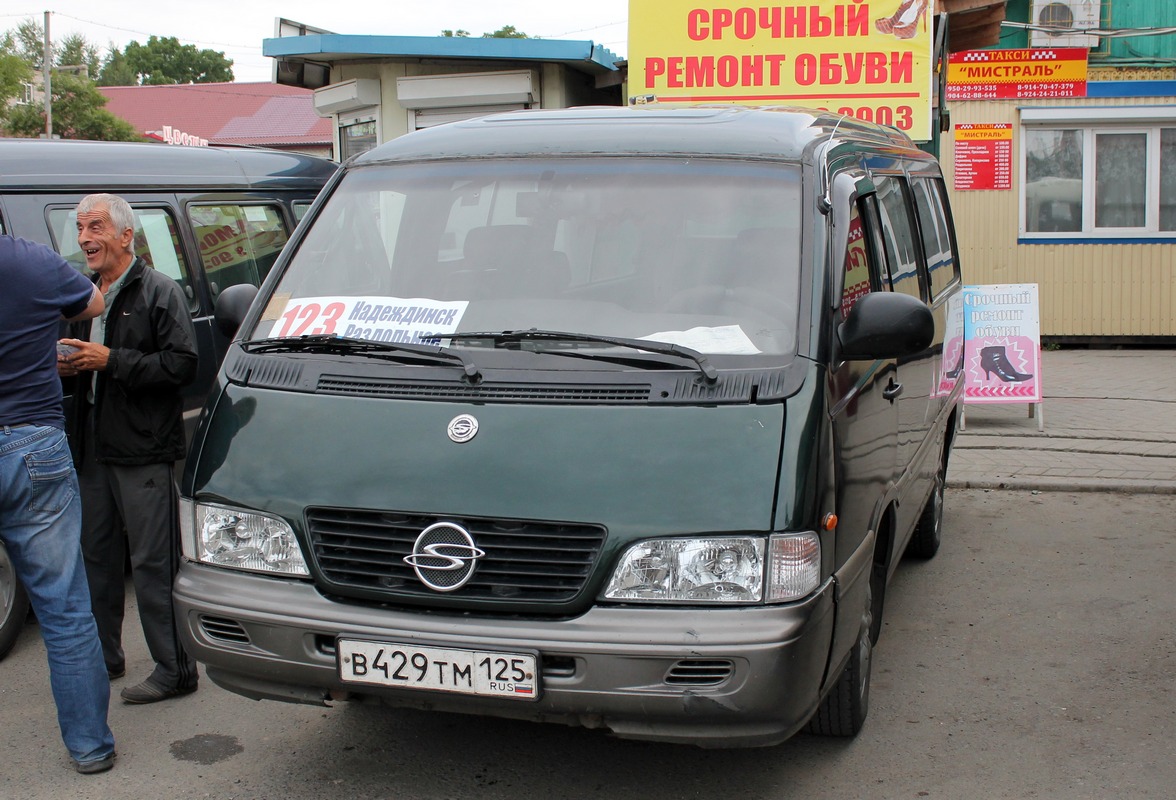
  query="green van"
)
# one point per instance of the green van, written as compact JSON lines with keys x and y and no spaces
{"x":613,"y":417}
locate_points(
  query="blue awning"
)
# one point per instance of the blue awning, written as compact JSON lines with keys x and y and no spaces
{"x":581,"y":55}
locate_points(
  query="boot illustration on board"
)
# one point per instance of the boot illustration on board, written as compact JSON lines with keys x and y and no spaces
{"x":994,"y":359}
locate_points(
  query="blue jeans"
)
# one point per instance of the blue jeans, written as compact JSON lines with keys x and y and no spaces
{"x":40,"y":524}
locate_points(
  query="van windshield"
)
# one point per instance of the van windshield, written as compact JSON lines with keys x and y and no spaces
{"x":702,"y":253}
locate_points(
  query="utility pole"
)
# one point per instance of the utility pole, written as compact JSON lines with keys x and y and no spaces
{"x":46,"y":68}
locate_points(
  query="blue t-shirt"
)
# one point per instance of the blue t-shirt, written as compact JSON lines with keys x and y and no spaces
{"x":37,"y":288}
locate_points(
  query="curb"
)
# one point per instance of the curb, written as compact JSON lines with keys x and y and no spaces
{"x":1043,"y":484}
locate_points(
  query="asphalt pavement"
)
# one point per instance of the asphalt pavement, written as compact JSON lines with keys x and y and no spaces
{"x":1109,"y":424}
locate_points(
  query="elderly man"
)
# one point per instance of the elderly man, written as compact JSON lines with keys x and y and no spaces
{"x":131,"y":363}
{"x":40,"y":514}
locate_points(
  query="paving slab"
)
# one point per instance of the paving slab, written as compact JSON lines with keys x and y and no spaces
{"x":1109,"y":419}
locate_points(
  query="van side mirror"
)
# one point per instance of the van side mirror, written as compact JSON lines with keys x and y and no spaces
{"x":886,"y":325}
{"x":231,"y":306}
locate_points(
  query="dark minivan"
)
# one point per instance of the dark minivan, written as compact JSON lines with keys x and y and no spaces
{"x":620,"y":418}
{"x":210,"y":218}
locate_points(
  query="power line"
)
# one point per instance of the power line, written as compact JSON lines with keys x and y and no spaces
{"x":37,"y":16}
{"x":586,"y":30}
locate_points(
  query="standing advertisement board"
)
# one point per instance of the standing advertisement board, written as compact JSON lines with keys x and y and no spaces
{"x":870,"y":60}
{"x":1002,"y":344}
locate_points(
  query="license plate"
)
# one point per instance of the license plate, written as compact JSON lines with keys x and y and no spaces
{"x":441,"y":669}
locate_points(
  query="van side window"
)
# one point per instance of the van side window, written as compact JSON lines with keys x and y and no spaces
{"x":238,"y":244}
{"x":898,"y":236}
{"x":937,"y":243}
{"x":858,"y":279}
{"x":157,"y":243}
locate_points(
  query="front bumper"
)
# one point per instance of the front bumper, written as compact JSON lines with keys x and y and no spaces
{"x":618,"y":668}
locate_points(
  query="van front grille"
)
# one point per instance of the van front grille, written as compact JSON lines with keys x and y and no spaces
{"x":498,"y":392}
{"x":361,"y":554}
{"x":700,"y":672}
{"x":225,"y":630}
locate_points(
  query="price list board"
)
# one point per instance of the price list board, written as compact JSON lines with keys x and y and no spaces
{"x":983,"y":156}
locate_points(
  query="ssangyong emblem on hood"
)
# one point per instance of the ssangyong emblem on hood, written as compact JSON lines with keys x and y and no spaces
{"x":462,"y":428}
{"x":444,"y":556}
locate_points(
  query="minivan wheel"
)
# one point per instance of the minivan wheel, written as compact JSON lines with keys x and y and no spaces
{"x":14,"y":604}
{"x":929,"y":530}
{"x":843,"y":711}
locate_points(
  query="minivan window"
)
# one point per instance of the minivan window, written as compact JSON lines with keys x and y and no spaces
{"x":238,"y":243}
{"x":703,"y":253}
{"x":157,"y":243}
{"x":937,"y":245}
{"x":300,"y":207}
{"x":858,"y":278}
{"x":898,"y":234}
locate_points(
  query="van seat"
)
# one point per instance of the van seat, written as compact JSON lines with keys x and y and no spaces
{"x":502,"y":260}
{"x":749,"y":277}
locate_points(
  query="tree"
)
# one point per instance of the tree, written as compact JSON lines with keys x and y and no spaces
{"x":166,"y":61}
{"x":29,"y":43}
{"x":14,"y":74}
{"x":75,"y":51}
{"x":78,"y":113}
{"x":116,"y":71}
{"x":505,"y":32}
{"x":15,"y":71}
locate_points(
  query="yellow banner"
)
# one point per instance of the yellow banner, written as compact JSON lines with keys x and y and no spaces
{"x":867,"y":59}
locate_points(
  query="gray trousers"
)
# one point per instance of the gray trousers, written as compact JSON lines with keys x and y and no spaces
{"x":143,"y":500}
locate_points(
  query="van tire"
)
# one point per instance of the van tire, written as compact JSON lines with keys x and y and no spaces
{"x":928,"y":533}
{"x":843,"y":711}
{"x":14,"y":604}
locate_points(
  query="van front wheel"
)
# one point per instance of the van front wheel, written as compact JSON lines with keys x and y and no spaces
{"x":843,"y":711}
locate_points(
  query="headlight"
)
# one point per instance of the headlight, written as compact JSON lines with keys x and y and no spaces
{"x":718,"y":570}
{"x":228,"y":537}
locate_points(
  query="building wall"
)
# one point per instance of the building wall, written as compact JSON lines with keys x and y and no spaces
{"x":1086,"y":290}
{"x":555,"y":86}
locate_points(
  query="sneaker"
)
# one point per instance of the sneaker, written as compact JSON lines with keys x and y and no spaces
{"x":147,"y":692}
{"x":96,"y":766}
{"x":115,"y":674}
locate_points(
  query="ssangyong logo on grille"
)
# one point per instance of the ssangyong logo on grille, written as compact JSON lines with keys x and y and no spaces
{"x":462,"y":428}
{"x":444,"y":556}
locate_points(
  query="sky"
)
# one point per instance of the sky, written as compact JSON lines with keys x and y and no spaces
{"x":237,"y":27}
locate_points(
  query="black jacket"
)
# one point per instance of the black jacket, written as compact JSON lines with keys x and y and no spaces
{"x":139,"y":415}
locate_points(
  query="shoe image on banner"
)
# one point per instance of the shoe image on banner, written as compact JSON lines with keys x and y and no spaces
{"x":994,"y":359}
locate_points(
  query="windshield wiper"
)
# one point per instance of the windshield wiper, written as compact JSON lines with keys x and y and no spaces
{"x":343,"y":345}
{"x":536,"y":335}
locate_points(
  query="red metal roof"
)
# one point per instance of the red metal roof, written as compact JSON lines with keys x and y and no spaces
{"x":257,"y":114}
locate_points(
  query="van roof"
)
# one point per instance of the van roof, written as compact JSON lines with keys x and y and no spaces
{"x":775,"y":133}
{"x":119,"y":166}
